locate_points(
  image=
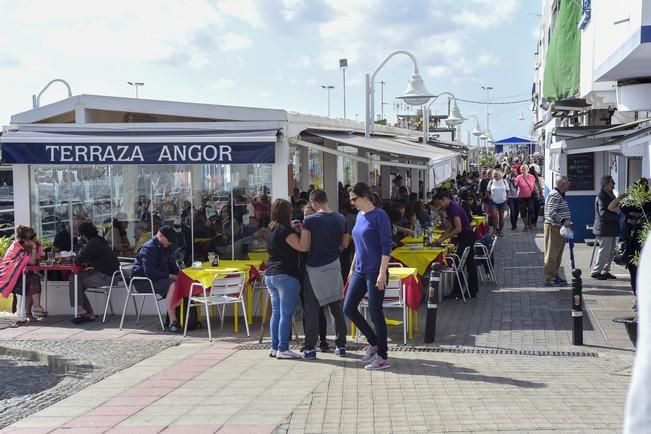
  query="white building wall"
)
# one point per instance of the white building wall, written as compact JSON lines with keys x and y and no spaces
{"x":614,"y":23}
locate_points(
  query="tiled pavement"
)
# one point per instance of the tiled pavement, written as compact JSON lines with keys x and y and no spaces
{"x":467,"y":385}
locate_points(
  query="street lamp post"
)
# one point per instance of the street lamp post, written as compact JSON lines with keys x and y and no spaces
{"x":343,"y":64}
{"x":136,"y":84}
{"x":477,"y":130}
{"x":454,"y":116}
{"x":328,"y":88}
{"x":416,"y":93}
{"x":487,"y":89}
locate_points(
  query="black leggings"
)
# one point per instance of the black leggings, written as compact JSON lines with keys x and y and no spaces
{"x":525,"y":205}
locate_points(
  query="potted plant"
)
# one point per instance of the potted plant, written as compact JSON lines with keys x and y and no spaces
{"x":638,"y":196}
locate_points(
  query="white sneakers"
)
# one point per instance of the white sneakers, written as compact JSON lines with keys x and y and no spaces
{"x":371,"y":352}
{"x":374,"y":361}
{"x":289,"y":354}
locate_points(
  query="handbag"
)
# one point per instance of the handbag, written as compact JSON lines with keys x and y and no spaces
{"x":620,"y":257}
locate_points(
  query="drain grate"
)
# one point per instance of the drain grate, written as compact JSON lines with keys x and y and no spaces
{"x":486,"y":351}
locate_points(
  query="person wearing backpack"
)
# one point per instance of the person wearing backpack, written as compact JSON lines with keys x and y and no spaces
{"x":498,"y":190}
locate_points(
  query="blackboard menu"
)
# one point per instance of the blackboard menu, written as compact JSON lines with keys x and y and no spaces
{"x":580,"y":171}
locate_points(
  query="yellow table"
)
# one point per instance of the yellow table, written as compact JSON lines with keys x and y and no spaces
{"x":207,"y":273}
{"x":479,"y":219}
{"x":260,"y":255}
{"x":419,"y":240}
{"x":419,"y":259}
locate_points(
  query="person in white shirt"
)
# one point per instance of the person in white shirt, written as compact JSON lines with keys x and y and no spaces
{"x":498,"y":189}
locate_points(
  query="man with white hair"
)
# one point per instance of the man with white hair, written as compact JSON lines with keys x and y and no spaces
{"x":557,"y":215}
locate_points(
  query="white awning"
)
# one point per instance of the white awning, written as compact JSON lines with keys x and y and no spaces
{"x":389,"y":145}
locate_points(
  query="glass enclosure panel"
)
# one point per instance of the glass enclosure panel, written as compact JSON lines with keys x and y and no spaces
{"x":6,"y":201}
{"x":129,"y":203}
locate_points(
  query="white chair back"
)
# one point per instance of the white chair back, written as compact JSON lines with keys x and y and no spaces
{"x":393,"y":290}
{"x":231,"y":285}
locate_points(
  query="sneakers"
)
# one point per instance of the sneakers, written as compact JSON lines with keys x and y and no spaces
{"x":289,"y":354}
{"x":340,"y":351}
{"x":371,"y":353}
{"x":377,"y":364}
{"x":273,"y":353}
{"x":555,"y":283}
{"x":309,"y":354}
{"x":324,"y":346}
{"x":609,"y":276}
{"x":599,"y":276}
{"x":174,"y":327}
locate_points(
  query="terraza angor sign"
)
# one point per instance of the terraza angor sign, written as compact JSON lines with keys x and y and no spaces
{"x":140,"y":153}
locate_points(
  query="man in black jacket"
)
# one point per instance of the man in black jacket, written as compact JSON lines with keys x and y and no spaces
{"x":100,"y":262}
{"x":606,"y":229}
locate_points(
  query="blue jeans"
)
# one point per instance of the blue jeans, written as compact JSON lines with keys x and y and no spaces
{"x":283,"y":290}
{"x":359,"y":284}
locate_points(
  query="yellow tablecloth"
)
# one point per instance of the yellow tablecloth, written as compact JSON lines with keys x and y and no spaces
{"x":418,"y":259}
{"x":261,"y":256}
{"x":206,"y":274}
{"x":479,"y":219}
{"x":419,"y":240}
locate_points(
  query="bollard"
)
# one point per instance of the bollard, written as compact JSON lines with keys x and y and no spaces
{"x":577,"y":307}
{"x":432,"y":302}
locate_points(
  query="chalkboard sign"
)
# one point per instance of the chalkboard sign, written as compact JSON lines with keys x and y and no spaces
{"x":580,"y":171}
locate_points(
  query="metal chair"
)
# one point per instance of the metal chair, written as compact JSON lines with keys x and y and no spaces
{"x":394,"y":297}
{"x":458,"y":264}
{"x":223,"y":291}
{"x":486,"y":255}
{"x":127,"y":275}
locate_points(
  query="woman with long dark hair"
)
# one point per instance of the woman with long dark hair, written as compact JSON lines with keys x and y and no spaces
{"x":368,"y":273}
{"x":282,"y":277}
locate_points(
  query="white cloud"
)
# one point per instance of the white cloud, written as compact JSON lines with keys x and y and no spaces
{"x":234,"y":41}
{"x":439,"y":71}
{"x":484,"y":14}
{"x":222,"y":84}
{"x":487,"y":59}
{"x":244,"y":10}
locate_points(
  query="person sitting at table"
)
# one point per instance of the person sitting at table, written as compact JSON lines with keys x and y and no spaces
{"x":100,"y":262}
{"x":324,"y":233}
{"x":142,"y":234}
{"x":25,"y":246}
{"x":117,"y":237}
{"x":155,"y":260}
{"x":63,"y":241}
{"x":460,"y":228}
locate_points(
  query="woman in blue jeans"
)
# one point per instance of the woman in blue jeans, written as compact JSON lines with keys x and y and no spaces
{"x":368,"y":273}
{"x":282,"y":277}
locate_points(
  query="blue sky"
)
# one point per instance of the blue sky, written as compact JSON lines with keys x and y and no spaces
{"x":271,"y":53}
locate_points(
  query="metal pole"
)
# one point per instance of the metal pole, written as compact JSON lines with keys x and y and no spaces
{"x":382,"y":83}
{"x":344,"y":72}
{"x":328,"y":89}
{"x":432,"y":303}
{"x":368,"y":94}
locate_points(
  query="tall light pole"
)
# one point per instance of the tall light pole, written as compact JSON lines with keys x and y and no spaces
{"x":136,"y":84}
{"x":343,"y":64}
{"x":328,"y":88}
{"x":487,"y":89}
{"x":416,"y":93}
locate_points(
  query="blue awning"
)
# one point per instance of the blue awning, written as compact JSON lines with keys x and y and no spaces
{"x":180,"y":146}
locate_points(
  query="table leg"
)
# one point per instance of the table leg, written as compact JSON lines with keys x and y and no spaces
{"x":76,"y":278}
{"x":353,"y":330}
{"x":236,"y":319}
{"x":411,"y":324}
{"x":45,"y":287}
{"x":249,"y":303}
{"x":416,"y":320}
{"x":22,"y":299}
{"x":182,"y":312}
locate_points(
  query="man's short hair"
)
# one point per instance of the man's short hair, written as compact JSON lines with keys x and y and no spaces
{"x":605,"y":180}
{"x":560,"y":180}
{"x":442,"y":194}
{"x":318,"y":196}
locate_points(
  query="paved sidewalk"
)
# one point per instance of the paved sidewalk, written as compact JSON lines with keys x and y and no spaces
{"x":502,"y":362}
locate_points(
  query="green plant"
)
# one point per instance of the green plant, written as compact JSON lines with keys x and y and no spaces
{"x":487,"y":160}
{"x":637,"y":196}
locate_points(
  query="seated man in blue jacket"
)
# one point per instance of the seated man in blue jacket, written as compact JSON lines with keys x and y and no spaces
{"x":155,"y":260}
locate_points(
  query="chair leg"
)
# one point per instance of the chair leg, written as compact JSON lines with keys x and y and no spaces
{"x":246,"y":321}
{"x":160,"y":317}
{"x":404,"y":323}
{"x":124,"y":309}
{"x":223,"y":315}
{"x":460,"y":284}
{"x":142,"y":304}
{"x":187,"y":315}
{"x":108,"y":303}
{"x":207,"y":321}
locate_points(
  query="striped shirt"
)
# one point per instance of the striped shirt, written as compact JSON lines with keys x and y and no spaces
{"x":556,"y":208}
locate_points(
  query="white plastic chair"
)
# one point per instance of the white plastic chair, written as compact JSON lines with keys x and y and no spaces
{"x":127,"y":275}
{"x":394,"y":297}
{"x":485,"y":255}
{"x":223,"y":291}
